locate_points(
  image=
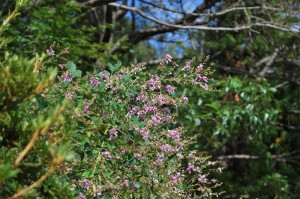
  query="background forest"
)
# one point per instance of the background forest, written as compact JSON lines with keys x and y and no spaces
{"x":248,"y":121}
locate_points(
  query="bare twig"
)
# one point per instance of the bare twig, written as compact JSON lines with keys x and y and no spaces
{"x":235,"y":29}
{"x":219,"y":13}
{"x":281,"y":84}
{"x":288,"y":157}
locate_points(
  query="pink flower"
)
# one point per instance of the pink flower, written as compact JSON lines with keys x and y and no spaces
{"x":138,"y":156}
{"x":62,"y":65}
{"x":69,"y":95}
{"x":113,"y":133}
{"x":159,"y":160}
{"x":81,"y":196}
{"x":187,"y":66}
{"x":204,"y":86}
{"x":144,"y":86}
{"x":119,"y":101}
{"x":106,"y":154}
{"x":204,"y":78}
{"x":199,"y":68}
{"x":185,"y":99}
{"x":141,"y":97}
{"x":156,"y":120}
{"x":145,"y":137}
{"x":67,"y":77}
{"x":168,"y":58}
{"x":170,"y":89}
{"x":85,"y":183}
{"x":180,"y":156}
{"x":161,"y":100}
{"x":50,"y":52}
{"x":122,"y":150}
{"x":166,"y":148}
{"x":202,"y":178}
{"x":166,"y":110}
{"x":154,"y":83}
{"x":191,"y":168}
{"x":94,"y":81}
{"x":86,"y":108}
{"x":174,"y":134}
{"x":125,"y":183}
{"x":104,"y":75}
{"x":175,"y":178}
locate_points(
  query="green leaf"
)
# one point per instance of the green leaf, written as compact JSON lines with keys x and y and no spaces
{"x":86,"y":174}
{"x":72,"y":68}
{"x":111,"y":67}
{"x":214,"y":105}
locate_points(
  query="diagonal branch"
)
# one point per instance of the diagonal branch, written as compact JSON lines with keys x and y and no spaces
{"x":219,"y":13}
{"x":202,"y":27}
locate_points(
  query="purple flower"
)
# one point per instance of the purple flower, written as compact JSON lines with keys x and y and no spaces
{"x":67,"y":78}
{"x":159,"y":160}
{"x":113,"y":88}
{"x":119,"y":101}
{"x":86,"y":108}
{"x":138,"y":156}
{"x":180,"y":156}
{"x":156,"y":120}
{"x":50,"y":52}
{"x":199,"y":68}
{"x":191,"y":168}
{"x":149,"y":108}
{"x":204,"y":78}
{"x":166,"y":110}
{"x":69,"y":95}
{"x":106,"y":154}
{"x":170,"y":89}
{"x":166,"y":148}
{"x":62,"y":65}
{"x":204,"y":86}
{"x":187,"y":66}
{"x":81,"y":196}
{"x":94,"y":81}
{"x":175,"y":178}
{"x":202,"y":178}
{"x":168,"y":58}
{"x":113,"y":133}
{"x":174,"y":134}
{"x":122,"y":150}
{"x":144,"y":132}
{"x":125,"y":183}
{"x":141,"y":97}
{"x":85,"y":183}
{"x":151,"y":81}
{"x":145,"y":137}
{"x":161,"y":100}
{"x":185,"y":99}
{"x":104,"y":75}
{"x":154,"y":83}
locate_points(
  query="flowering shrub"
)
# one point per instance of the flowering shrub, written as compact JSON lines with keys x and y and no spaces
{"x":107,"y":134}
{"x":126,"y":139}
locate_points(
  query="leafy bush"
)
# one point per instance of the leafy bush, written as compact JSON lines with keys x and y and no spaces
{"x":110,"y":133}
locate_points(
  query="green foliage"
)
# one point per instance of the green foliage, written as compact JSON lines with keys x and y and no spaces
{"x":34,"y":31}
{"x":111,"y":133}
{"x":240,"y":119}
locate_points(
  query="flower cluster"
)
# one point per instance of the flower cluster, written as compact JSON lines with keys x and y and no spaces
{"x":132,"y":141}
